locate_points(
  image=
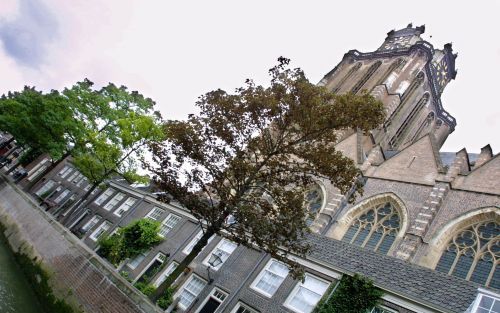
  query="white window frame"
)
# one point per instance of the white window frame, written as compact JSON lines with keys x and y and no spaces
{"x":245,"y":306}
{"x":383,"y":308}
{"x":112,"y":203}
{"x":160,"y":256}
{"x":215,"y":250}
{"x":125,"y":206}
{"x":62,"y":195}
{"x":165,"y":225}
{"x":133,"y":264}
{"x":104,"y":196}
{"x":297,"y":288}
{"x":46,"y":187}
{"x":188,"y":281}
{"x":262,"y":273}
{"x":154,"y":210}
{"x":189,"y":247}
{"x":213,"y":296}
{"x":104,"y":225}
{"x":93,"y":221}
{"x":164,"y":274}
{"x":37,"y":170}
{"x":73,"y":176}
{"x":483,"y":293}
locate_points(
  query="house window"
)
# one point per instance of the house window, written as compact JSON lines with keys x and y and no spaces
{"x":104,"y":196}
{"x":194,"y":241}
{"x":155,"y":214}
{"x":153,"y":268}
{"x":485,"y":302}
{"x":223,"y":250}
{"x":472,"y":254}
{"x":243,"y":308}
{"x":114,"y":201}
{"x":78,"y":178}
{"x":62,"y":196}
{"x":44,"y":191}
{"x":168,"y":223}
{"x":65,"y":171}
{"x":73,"y":176}
{"x":212,"y":302}
{"x":37,"y":170}
{"x":100,"y":230}
{"x":125,"y":206}
{"x":376,"y":229}
{"x":169,"y":270}
{"x":270,"y":278}
{"x":82,"y":181}
{"x":307,"y":294}
{"x":91,"y":223}
{"x":190,"y":290}
{"x":137,"y":260}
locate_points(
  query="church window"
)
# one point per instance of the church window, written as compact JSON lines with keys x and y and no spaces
{"x":473,"y":254}
{"x":351,"y":72}
{"x":406,"y":96}
{"x":403,"y":130}
{"x":376,"y":229}
{"x":369,"y":73}
{"x":396,"y":65}
{"x":314,"y":202}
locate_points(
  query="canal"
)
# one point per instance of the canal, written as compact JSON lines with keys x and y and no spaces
{"x":16,"y":295}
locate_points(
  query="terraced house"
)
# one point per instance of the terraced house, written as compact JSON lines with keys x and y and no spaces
{"x":426,"y":230}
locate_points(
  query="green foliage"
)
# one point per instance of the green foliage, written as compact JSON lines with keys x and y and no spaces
{"x":251,"y":156}
{"x":39,"y":280}
{"x":145,"y":288}
{"x":166,"y":299}
{"x":354,"y":294}
{"x":126,"y":275}
{"x":128,"y":242}
{"x":29,"y":156}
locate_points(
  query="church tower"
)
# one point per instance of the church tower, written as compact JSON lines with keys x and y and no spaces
{"x":408,"y":75}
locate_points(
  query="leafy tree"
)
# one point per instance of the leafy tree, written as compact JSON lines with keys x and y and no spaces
{"x":39,"y":122}
{"x":354,"y":294}
{"x":243,"y":165}
{"x":130,"y":241}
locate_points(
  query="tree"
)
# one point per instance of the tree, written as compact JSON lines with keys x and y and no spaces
{"x":243,"y":165}
{"x":130,"y":241}
{"x":354,"y":294}
{"x":39,"y":122}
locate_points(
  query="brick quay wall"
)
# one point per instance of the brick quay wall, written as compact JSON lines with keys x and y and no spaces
{"x":78,"y":275}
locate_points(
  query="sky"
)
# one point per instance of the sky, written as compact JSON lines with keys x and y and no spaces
{"x":175,"y":51}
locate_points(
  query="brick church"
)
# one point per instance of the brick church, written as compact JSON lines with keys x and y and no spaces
{"x":426,"y":230}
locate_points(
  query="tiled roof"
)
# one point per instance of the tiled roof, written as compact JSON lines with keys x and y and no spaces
{"x":420,"y":284}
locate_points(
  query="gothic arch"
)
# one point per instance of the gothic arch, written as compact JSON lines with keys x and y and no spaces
{"x":346,"y":221}
{"x":441,"y":238}
{"x":351,"y":72}
{"x":369,"y":73}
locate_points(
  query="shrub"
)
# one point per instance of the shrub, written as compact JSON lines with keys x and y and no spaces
{"x":166,"y":298}
{"x":145,"y":288}
{"x":354,"y":294}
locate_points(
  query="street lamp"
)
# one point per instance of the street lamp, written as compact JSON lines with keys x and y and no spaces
{"x":214,"y":261}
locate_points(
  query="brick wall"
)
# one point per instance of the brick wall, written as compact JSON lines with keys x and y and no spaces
{"x":79,"y":275}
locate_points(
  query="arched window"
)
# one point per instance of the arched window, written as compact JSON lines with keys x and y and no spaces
{"x":353,"y":70}
{"x":406,"y":96}
{"x":425,"y":124}
{"x":376,"y":229}
{"x":369,"y":73}
{"x":314,"y":202}
{"x":474,"y":254}
{"x":405,"y":126}
{"x":395,"y":66}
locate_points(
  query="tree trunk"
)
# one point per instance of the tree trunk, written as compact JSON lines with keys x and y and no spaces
{"x":183,"y":265}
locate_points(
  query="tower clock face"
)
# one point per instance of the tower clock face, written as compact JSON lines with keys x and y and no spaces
{"x":440,"y":70}
{"x":397,"y":43}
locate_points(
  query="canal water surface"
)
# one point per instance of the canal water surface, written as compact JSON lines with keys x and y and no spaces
{"x":16,"y":295}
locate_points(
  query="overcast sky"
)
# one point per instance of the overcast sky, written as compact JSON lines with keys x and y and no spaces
{"x":174,"y":51}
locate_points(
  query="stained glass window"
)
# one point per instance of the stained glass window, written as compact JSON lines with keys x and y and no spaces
{"x":376,"y":229}
{"x":473,"y":254}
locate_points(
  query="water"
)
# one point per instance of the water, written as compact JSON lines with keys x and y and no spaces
{"x":16,"y":295}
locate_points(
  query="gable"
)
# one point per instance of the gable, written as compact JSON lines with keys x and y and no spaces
{"x":416,"y":163}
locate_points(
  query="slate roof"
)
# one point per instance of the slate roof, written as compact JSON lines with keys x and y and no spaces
{"x":420,"y":284}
